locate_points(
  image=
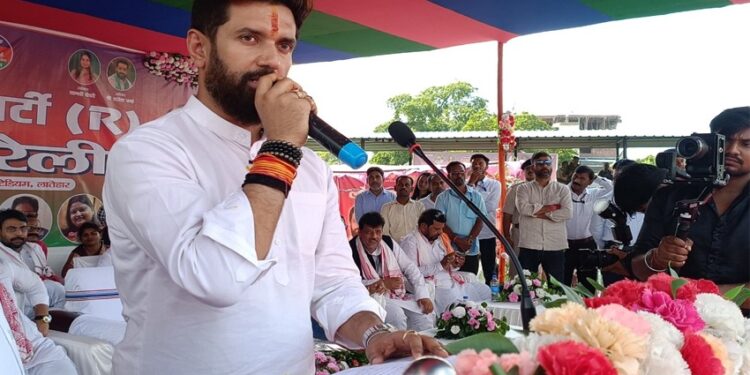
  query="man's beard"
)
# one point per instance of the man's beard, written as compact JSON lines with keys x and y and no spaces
{"x":542,"y":174}
{"x":13,"y":246}
{"x":233,"y":94}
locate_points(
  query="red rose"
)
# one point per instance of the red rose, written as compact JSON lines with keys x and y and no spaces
{"x":628,"y":291}
{"x":573,"y":358}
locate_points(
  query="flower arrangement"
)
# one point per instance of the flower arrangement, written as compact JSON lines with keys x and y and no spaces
{"x":172,"y":66}
{"x":666,"y":325}
{"x":540,"y":290}
{"x":331,"y":361}
{"x":462,"y":319}
{"x":507,"y":123}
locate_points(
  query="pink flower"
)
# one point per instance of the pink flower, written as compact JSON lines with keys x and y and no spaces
{"x":333,"y":366}
{"x":474,"y":323}
{"x":474,"y":313}
{"x":663,"y":282}
{"x":532,"y":294}
{"x":469,"y":362}
{"x":447,"y":315}
{"x":526,"y":365}
{"x":621,"y":315}
{"x":536,"y":282}
{"x":681,"y":313}
{"x":513,"y":297}
{"x":572,"y":358}
{"x":491,"y":325}
{"x":320,"y":357}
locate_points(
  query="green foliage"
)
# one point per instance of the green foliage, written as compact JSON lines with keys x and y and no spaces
{"x":498,"y":344}
{"x":738,"y":294}
{"x":328,"y":158}
{"x":391,"y":158}
{"x":527,"y":121}
{"x":651,"y":159}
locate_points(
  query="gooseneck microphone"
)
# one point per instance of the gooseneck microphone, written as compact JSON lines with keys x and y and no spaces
{"x":336,"y":143}
{"x":405,"y":138}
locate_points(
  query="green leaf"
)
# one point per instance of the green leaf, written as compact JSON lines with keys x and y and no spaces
{"x":731,"y":294}
{"x":570,"y":293}
{"x":556,"y":303}
{"x":673,"y":272}
{"x":598,"y":286}
{"x":741,"y":297}
{"x":495,"y":369}
{"x":677,"y":284}
{"x":583,"y":291}
{"x":497,"y":343}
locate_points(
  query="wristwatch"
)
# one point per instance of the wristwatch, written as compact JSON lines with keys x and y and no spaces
{"x":44,"y":318}
{"x":374,"y":331}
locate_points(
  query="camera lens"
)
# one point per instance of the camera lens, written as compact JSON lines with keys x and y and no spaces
{"x":692,"y":147}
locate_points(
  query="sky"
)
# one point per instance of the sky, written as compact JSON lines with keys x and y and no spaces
{"x":663,"y":75}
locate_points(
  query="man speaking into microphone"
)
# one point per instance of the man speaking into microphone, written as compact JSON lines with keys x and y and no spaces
{"x":225,"y":231}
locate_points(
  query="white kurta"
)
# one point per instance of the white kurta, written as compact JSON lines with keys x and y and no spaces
{"x":32,"y":257}
{"x":195,"y":297}
{"x":427,"y":257}
{"x":47,"y":358}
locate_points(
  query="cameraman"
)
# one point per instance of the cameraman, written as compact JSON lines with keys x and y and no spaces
{"x":717,"y":244}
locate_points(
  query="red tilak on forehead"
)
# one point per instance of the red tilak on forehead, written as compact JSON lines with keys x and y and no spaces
{"x":274,"y":21}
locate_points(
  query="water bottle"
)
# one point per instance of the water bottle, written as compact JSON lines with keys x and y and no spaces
{"x":495,"y":287}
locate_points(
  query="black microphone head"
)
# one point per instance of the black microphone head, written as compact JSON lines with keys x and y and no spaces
{"x":402,"y":134}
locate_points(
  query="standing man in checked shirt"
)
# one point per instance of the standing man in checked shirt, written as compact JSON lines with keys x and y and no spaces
{"x":489,"y":189}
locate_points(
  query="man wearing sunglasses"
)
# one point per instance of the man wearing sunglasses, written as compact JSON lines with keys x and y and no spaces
{"x":543,"y":206}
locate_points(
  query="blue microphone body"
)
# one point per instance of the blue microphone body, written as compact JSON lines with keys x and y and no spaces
{"x":336,"y":143}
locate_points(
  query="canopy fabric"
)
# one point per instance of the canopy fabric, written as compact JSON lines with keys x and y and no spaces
{"x":343,"y":29}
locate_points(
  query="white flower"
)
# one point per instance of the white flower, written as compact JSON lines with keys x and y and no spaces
{"x":471,"y":304}
{"x":459,"y":312}
{"x":517,"y":289}
{"x":534,"y":341}
{"x":455,"y":329}
{"x":663,"y":358}
{"x":528,"y":282}
{"x":723,"y":318}
{"x":527,"y":272}
{"x":663,"y":330}
{"x":541,"y":293}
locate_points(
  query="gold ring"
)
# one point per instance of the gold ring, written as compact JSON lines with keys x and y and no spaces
{"x":403,"y":338}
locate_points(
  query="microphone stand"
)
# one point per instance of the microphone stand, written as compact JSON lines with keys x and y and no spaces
{"x":528,"y":311}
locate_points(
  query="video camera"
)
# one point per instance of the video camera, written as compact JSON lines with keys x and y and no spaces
{"x":620,"y":232}
{"x":704,"y":157}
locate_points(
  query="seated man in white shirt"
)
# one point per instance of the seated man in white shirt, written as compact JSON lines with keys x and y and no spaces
{"x":39,"y":355}
{"x":426,"y":247}
{"x":388,"y":274}
{"x":15,"y":248}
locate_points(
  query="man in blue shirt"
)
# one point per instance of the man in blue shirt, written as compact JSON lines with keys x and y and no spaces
{"x":463,"y":225}
{"x":372,"y":200}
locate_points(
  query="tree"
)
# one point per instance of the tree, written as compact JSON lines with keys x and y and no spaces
{"x":453,"y":107}
{"x":650,"y":159}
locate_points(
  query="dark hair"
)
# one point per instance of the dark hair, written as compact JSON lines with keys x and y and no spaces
{"x":11,"y":214}
{"x":539,"y":154}
{"x":587,"y":170}
{"x":84,"y":226}
{"x":120,"y":60}
{"x":481,"y":156}
{"x":451,"y":164}
{"x":622,"y":163}
{"x":416,"y":194}
{"x":526,"y":164}
{"x":78,"y":69}
{"x":33,"y":202}
{"x":430,"y":216}
{"x":731,"y":121}
{"x":375,"y":169}
{"x":208,"y":15}
{"x":636,"y":184}
{"x":80,"y":198}
{"x":405,"y":176}
{"x":372,"y":220}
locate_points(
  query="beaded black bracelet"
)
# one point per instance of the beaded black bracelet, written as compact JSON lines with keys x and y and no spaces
{"x":282,"y":149}
{"x":261,"y":179}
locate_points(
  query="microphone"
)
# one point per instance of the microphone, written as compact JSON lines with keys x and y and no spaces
{"x":336,"y":143}
{"x":406,"y":138}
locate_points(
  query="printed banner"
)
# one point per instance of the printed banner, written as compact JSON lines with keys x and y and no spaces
{"x":63,"y":104}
